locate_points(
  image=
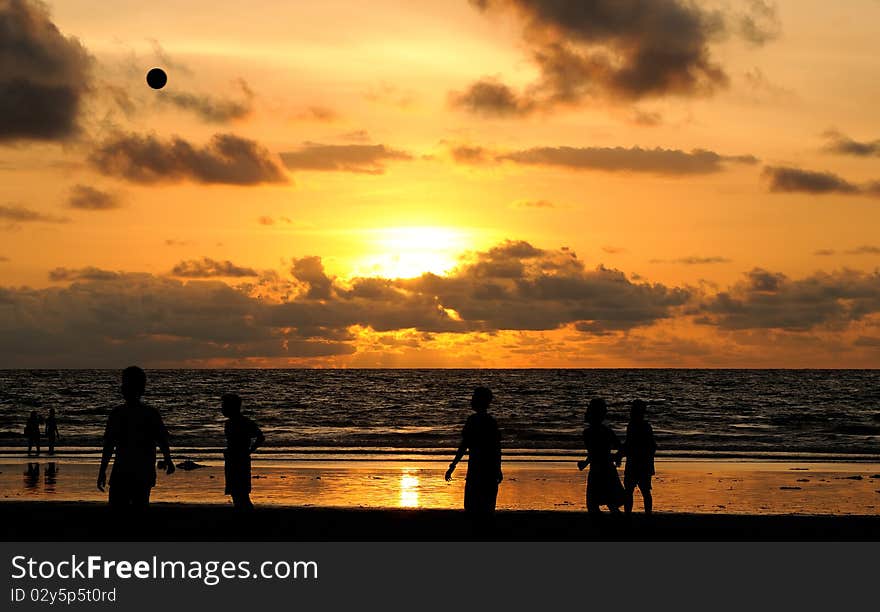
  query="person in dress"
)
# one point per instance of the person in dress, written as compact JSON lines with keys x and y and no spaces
{"x":481,"y":440}
{"x":603,"y":483}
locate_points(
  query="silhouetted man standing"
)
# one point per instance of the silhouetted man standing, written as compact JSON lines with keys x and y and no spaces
{"x":133,"y":432}
{"x":482,"y":441}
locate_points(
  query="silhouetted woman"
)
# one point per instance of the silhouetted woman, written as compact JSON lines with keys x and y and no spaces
{"x":603,"y":483}
{"x":51,"y":431}
{"x":482,"y":441}
{"x":242,"y":438}
{"x":32,"y":432}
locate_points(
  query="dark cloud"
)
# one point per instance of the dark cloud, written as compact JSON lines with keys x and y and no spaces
{"x":140,"y":318}
{"x":791,"y":180}
{"x":19,"y":214}
{"x":367,"y":159}
{"x":84,"y":197}
{"x":621,"y":50}
{"x":490,"y":97}
{"x":844,"y":145}
{"x":619,"y":159}
{"x":225,"y":159}
{"x":865,"y":249}
{"x":694,"y":260}
{"x":88,"y":273}
{"x":209,"y":108}
{"x":44,"y":75}
{"x":468,"y":154}
{"x":310,"y":271}
{"x":824,"y":252}
{"x":266,"y":220}
{"x":210,"y":268}
{"x":767,"y":300}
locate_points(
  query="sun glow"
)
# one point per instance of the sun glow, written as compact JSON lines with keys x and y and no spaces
{"x":408,"y":252}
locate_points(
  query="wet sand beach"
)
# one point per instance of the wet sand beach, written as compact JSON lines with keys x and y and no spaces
{"x":685,"y":486}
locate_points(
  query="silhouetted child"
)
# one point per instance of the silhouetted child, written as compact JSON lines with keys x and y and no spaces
{"x":603,"y":483}
{"x":32,"y":432}
{"x":243,"y":437}
{"x":133,"y":431}
{"x":639,"y":450}
{"x":481,"y":439}
{"x":52,"y":431}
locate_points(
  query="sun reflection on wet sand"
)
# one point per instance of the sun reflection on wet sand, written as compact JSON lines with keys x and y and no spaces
{"x":409,"y":490}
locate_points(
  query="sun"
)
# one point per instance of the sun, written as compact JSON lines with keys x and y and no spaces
{"x":408,"y":252}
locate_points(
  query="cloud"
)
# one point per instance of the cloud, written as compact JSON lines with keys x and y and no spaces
{"x":177,"y":243}
{"x":844,"y":145}
{"x":468,"y":154}
{"x":211,"y":268}
{"x":84,"y":197}
{"x":226,"y":159}
{"x":824,"y":252}
{"x":265,"y":220}
{"x":310,"y":271}
{"x":44,"y":75}
{"x":367,"y":159}
{"x":88,"y":273}
{"x":616,"y":50}
{"x":209,"y":108}
{"x":322,"y":114}
{"x":768,"y":300}
{"x":694,"y":260}
{"x":865,"y":249}
{"x":619,"y":159}
{"x":784,"y":179}
{"x":356,"y":136}
{"x":20,"y":214}
{"x":613,"y":250}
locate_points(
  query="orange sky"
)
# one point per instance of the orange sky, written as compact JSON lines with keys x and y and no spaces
{"x":590,"y":189}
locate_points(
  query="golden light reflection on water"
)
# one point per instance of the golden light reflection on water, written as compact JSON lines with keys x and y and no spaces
{"x":409,"y":490}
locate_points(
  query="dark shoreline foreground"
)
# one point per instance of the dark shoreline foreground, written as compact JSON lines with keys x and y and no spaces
{"x":89,"y":521}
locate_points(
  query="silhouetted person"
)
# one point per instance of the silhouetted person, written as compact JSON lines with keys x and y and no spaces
{"x":32,"y":476}
{"x":51,"y":431}
{"x":481,"y":440}
{"x":243,"y":437}
{"x":603,"y":483}
{"x":133,"y":432}
{"x":639,"y":450}
{"x":32,"y":432}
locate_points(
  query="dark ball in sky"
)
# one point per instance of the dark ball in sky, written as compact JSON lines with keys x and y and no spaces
{"x":156,"y":78}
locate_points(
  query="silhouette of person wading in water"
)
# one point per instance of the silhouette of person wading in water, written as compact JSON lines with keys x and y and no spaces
{"x":603,"y":483}
{"x":482,"y":441}
{"x":133,"y":432}
{"x":242,"y":439}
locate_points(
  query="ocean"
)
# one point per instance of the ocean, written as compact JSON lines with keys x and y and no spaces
{"x":712,"y":413}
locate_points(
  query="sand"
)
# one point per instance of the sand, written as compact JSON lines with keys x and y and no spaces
{"x":83,"y":521}
{"x":681,"y":486}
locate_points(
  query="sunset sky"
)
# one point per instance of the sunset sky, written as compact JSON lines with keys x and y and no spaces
{"x":483,"y":183}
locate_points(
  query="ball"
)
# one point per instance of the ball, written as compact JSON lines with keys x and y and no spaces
{"x":156,"y":78}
